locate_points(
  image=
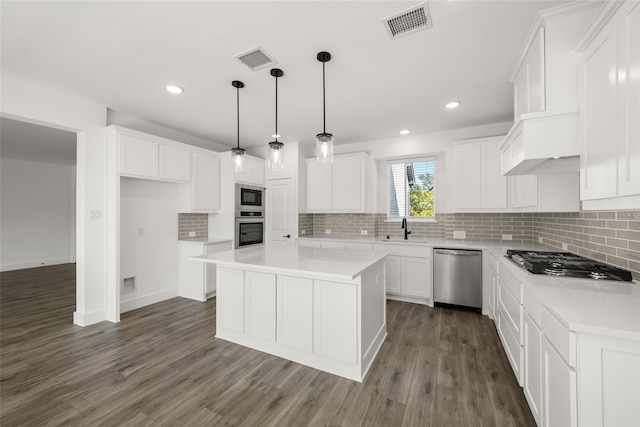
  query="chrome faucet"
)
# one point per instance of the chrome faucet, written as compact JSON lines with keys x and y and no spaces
{"x":406,"y":230}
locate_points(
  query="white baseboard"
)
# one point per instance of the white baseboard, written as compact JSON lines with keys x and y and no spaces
{"x":149,"y":299}
{"x":32,"y":264}
{"x":86,"y":319}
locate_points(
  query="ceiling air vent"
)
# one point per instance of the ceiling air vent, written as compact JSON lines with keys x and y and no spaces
{"x":409,"y":21}
{"x":256,"y":59}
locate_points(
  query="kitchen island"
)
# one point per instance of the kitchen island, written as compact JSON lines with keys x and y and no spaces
{"x":319,"y":307}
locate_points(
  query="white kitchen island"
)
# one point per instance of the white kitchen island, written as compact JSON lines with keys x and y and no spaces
{"x":322,"y":308}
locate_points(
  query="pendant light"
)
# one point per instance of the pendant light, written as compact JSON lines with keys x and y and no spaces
{"x":324,"y":140}
{"x":237,"y":154}
{"x":276,"y":148}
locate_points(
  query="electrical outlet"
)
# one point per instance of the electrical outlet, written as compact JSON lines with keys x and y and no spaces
{"x":95,"y":214}
{"x":507,"y":237}
{"x":363,"y":232}
{"x":565,"y":247}
{"x":303,"y":232}
{"x":459,"y":234}
{"x":192,"y":234}
{"x":539,"y":239}
{"x":327,"y":231}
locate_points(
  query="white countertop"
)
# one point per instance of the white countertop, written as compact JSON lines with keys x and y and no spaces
{"x":288,"y":259}
{"x":205,"y":240}
{"x":583,"y":305}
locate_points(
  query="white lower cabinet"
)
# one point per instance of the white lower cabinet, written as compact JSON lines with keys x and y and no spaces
{"x":295,"y":312}
{"x":408,"y":275}
{"x":509,"y":311}
{"x":532,"y":366}
{"x":493,"y":286}
{"x":559,"y":398}
{"x":260,"y":305}
{"x":230,"y":299}
{"x":197,"y":280}
{"x":335,"y":332}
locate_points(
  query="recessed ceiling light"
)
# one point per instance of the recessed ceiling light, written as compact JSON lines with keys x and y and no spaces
{"x":404,"y":132}
{"x":453,"y":104}
{"x":174,"y":89}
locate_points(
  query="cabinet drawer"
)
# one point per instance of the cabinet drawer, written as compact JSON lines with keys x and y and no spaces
{"x":511,"y":345}
{"x":511,"y":309}
{"x":562,"y":339}
{"x":404,"y":250}
{"x":532,"y":305}
{"x":307,"y":243}
{"x":511,"y":283}
{"x":357,"y":246}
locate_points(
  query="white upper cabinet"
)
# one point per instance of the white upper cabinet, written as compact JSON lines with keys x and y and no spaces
{"x":610,"y":108}
{"x":175,"y":163}
{"x":339,"y":187}
{"x":203,"y":196}
{"x":138,"y":156}
{"x":545,"y":93}
{"x":253,"y":172}
{"x":478,"y":184}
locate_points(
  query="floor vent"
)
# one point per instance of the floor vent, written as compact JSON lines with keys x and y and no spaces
{"x":256,"y":59}
{"x":409,"y":21}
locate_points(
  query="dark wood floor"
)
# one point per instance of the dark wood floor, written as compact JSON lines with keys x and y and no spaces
{"x":162,"y":366}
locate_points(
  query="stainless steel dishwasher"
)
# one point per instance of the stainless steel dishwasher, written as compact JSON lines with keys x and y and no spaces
{"x":457,"y":277}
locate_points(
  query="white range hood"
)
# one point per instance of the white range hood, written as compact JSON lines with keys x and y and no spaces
{"x":543,"y":142}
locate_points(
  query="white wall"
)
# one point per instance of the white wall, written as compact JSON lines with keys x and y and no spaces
{"x":34,"y":103}
{"x":148,"y":240}
{"x":37,"y":214}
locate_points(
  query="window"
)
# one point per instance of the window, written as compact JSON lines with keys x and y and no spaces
{"x":411,"y":188}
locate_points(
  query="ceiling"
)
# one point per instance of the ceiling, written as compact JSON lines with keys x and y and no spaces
{"x":122,"y":54}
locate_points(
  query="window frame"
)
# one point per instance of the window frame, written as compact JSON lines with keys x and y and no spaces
{"x":404,"y":161}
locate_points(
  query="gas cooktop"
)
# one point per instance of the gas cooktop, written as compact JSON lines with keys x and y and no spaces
{"x":566,"y":264}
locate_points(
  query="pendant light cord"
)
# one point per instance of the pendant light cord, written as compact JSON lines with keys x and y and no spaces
{"x":238,"y":113}
{"x":324,"y":108}
{"x":276,"y":108}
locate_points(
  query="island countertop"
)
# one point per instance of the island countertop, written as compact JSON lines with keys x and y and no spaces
{"x":294,"y":260}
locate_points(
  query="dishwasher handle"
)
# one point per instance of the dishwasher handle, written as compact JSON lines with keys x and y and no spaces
{"x":458,"y":253}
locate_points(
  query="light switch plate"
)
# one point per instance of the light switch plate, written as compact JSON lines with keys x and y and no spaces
{"x":192,"y":234}
{"x":327,"y":231}
{"x":364,"y":232}
{"x":507,"y":237}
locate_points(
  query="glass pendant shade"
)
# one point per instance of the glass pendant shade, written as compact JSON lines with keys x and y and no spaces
{"x":276,"y":155}
{"x":237,"y":157}
{"x":324,"y":148}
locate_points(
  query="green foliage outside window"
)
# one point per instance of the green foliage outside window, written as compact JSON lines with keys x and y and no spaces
{"x":421,"y":196}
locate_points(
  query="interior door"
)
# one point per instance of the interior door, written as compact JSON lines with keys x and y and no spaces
{"x":281,"y":212}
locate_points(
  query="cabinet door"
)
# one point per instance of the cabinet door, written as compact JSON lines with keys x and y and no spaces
{"x":206,"y":182}
{"x":494,"y":185}
{"x":559,"y":404}
{"x":230,"y":307}
{"x":536,"y":77}
{"x":319,"y":184}
{"x":175,"y":163}
{"x":469,"y":173}
{"x":347,"y":183}
{"x":210,"y":272}
{"x":256,"y":173}
{"x":532,"y":366}
{"x":295,"y":312}
{"x":629,"y":99}
{"x":416,"y":277}
{"x":392,"y":274}
{"x":138,"y":157}
{"x":335,"y":330}
{"x":260,"y":305}
{"x":599,"y":117}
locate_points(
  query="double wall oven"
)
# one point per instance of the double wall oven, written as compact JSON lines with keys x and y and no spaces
{"x":249,"y":215}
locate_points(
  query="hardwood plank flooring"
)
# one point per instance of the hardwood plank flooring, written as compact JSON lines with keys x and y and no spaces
{"x":162,"y":366}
